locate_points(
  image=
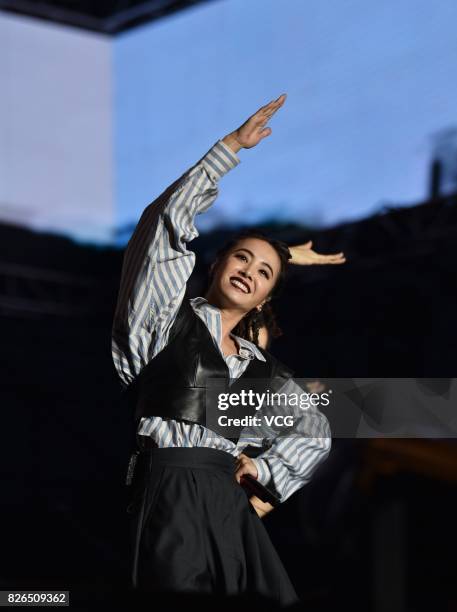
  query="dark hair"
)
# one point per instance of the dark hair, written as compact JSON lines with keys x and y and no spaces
{"x":252,"y":321}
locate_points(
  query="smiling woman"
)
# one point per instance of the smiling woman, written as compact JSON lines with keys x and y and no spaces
{"x":254,"y":265}
{"x":194,"y":526}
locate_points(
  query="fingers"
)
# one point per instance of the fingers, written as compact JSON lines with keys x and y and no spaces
{"x":335,"y":259}
{"x":265,"y":132}
{"x":244,"y":465}
{"x":275,"y":104}
{"x":269,"y":109}
{"x":243,"y":471}
{"x":304,"y":251}
{"x":335,"y":255}
{"x":332,"y":257}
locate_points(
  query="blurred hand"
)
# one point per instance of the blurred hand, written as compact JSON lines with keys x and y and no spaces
{"x":254,"y":129}
{"x":303,"y":255}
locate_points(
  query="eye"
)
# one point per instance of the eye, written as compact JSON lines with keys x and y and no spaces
{"x":241,"y":255}
{"x":265,"y":273}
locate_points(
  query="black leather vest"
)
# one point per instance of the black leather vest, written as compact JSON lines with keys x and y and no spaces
{"x":173,"y":384}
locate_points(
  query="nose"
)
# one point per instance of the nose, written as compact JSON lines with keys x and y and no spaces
{"x":244,"y":273}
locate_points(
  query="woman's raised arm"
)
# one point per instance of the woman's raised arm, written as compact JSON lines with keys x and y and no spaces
{"x":157,"y":262}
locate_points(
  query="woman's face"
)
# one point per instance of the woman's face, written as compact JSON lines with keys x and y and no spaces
{"x":246,"y":275}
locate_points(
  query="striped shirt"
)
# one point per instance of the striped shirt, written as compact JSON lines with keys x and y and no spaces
{"x":157,"y":264}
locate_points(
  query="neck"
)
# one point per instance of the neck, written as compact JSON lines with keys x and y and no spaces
{"x":230,"y":317}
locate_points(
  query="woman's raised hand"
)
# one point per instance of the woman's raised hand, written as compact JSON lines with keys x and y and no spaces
{"x":303,"y":255}
{"x":254,"y":129}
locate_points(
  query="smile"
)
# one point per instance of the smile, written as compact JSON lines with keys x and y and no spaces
{"x":240,"y":284}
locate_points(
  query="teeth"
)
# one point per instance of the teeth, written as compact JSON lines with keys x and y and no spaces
{"x":239,"y":284}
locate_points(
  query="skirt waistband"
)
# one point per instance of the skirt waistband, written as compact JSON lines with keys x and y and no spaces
{"x":196,"y":457}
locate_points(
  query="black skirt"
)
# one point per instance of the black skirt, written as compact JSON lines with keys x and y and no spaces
{"x":193,"y":529}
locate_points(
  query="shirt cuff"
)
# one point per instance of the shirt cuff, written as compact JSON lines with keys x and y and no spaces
{"x":219,"y":160}
{"x":263,"y":471}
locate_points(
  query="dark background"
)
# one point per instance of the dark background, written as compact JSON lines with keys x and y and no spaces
{"x":374,"y":529}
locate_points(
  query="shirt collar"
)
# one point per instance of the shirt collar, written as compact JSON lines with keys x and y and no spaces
{"x":248,"y":350}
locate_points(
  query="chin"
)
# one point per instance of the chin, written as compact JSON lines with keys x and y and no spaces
{"x":232,"y":295}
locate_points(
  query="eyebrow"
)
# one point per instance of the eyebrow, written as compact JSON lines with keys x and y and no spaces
{"x":252,"y":255}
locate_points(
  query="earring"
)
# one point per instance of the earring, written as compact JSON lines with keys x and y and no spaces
{"x":258,"y":313}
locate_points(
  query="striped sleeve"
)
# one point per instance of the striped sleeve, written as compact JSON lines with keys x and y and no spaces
{"x":292,"y":459}
{"x":157,"y":262}
{"x":263,"y":470}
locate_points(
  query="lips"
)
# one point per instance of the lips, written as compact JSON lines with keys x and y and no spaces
{"x":237,"y":281}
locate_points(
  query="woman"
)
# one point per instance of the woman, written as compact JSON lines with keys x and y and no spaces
{"x":194,"y":529}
